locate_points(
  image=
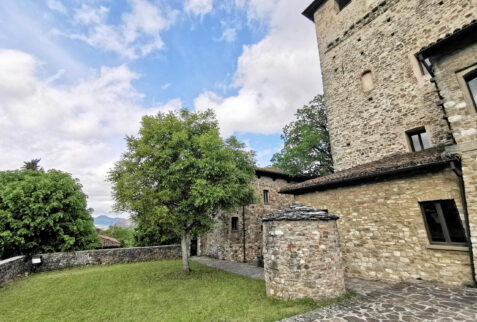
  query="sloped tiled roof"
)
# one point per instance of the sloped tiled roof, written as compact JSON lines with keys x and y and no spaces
{"x":107,"y":241}
{"x":386,"y":167}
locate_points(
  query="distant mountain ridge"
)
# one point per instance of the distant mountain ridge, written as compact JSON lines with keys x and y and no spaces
{"x":106,"y":221}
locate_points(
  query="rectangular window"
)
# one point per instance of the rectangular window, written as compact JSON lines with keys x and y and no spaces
{"x":234,"y":223}
{"x":265,"y":196}
{"x":471,"y":80}
{"x":342,"y":3}
{"x":443,"y":222}
{"x":419,"y":140}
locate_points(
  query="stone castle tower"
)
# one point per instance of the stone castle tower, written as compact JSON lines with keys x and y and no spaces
{"x":377,"y":92}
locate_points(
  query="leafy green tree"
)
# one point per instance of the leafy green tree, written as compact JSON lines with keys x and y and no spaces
{"x":152,"y":233}
{"x":181,"y":173}
{"x":307,"y":147}
{"x":32,"y":165}
{"x":124,"y":235}
{"x":43,"y":212}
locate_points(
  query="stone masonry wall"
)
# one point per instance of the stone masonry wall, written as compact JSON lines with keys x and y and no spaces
{"x":13,"y":267}
{"x":469,"y":170}
{"x":303,"y":259}
{"x":224,"y":243}
{"x":382,"y":37}
{"x":462,"y":115}
{"x":382,"y":230}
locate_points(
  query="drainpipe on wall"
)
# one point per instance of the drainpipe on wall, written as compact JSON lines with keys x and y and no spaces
{"x":458,"y":173}
{"x":243,"y":233}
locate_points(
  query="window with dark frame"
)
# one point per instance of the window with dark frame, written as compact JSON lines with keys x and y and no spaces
{"x":342,"y":3}
{"x":234,"y":223}
{"x":419,"y":140}
{"x":265,"y":196}
{"x":443,"y":222}
{"x":471,"y":80}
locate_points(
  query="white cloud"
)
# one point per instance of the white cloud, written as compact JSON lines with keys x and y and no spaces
{"x":275,"y":76}
{"x":136,"y":36}
{"x":78,"y":128}
{"x":229,"y":35}
{"x":56,"y":6}
{"x":199,"y":7}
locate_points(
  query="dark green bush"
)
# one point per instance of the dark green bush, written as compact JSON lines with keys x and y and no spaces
{"x":43,"y":212}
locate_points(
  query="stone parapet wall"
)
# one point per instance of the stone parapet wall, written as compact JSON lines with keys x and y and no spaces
{"x":13,"y":267}
{"x":382,"y":229}
{"x":20,"y":265}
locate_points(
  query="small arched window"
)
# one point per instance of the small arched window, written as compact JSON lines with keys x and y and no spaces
{"x":367,"y":81}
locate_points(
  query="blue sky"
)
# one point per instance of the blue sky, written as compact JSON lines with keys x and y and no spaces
{"x":77,"y":76}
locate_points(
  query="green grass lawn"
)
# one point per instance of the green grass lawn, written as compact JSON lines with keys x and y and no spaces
{"x":153,"y":291}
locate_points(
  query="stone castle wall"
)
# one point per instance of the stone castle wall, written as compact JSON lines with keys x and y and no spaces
{"x":224,"y":243}
{"x":303,"y":259}
{"x":382,"y":37}
{"x":382,"y":230}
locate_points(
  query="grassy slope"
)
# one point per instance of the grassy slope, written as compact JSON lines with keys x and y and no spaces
{"x":155,"y":291}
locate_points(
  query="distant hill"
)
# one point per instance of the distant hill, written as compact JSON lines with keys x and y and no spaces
{"x":105,"y":221}
{"x":125,"y":223}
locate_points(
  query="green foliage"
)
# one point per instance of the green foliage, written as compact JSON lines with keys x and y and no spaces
{"x":307,"y":142}
{"x":178,"y":173}
{"x":153,"y":233}
{"x":124,"y":235}
{"x":43,"y":212}
{"x":149,"y":291}
{"x":32,"y":165}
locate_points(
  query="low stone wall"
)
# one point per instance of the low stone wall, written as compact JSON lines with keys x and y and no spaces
{"x":55,"y":261}
{"x":13,"y":267}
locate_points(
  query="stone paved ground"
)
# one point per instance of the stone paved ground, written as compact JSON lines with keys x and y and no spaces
{"x":402,"y":302}
{"x":234,"y":267}
{"x":377,"y":301}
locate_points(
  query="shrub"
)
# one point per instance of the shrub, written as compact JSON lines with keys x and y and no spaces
{"x":43,"y":212}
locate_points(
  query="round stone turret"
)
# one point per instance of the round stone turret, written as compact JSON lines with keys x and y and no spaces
{"x":302,"y":256}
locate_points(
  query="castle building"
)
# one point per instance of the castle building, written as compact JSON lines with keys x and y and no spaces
{"x":400,"y":84}
{"x":237,"y":236}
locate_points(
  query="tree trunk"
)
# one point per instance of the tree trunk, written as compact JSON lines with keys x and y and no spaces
{"x":185,"y":245}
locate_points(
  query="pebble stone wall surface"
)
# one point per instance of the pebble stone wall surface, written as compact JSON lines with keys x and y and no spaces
{"x":302,"y":257}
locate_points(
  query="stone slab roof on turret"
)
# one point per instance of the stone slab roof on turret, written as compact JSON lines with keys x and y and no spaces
{"x":300,"y":212}
{"x":406,"y":163}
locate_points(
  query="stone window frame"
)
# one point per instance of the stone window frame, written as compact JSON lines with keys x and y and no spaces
{"x":234,"y":224}
{"x":418,"y":130}
{"x":266,"y":196}
{"x":448,"y":242}
{"x":461,"y":74}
